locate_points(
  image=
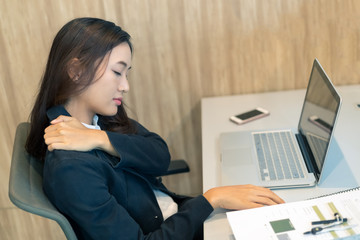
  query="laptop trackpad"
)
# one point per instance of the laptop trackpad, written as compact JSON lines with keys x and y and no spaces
{"x":236,"y":156}
{"x":238,"y":167}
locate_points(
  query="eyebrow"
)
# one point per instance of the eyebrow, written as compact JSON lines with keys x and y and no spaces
{"x":123,"y":63}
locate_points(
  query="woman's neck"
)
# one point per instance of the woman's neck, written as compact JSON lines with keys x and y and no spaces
{"x":80,"y":113}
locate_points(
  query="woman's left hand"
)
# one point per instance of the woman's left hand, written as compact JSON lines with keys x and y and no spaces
{"x":68,"y":133}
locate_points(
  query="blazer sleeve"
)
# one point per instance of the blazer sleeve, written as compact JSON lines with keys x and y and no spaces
{"x":144,"y":151}
{"x":81,"y":193}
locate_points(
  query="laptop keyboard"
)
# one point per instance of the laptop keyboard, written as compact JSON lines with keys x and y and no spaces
{"x":277,"y":155}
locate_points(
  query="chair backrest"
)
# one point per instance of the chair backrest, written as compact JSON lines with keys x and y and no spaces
{"x":25,"y":184}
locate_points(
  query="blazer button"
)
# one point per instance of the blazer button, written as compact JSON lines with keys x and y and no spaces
{"x":156,"y":216}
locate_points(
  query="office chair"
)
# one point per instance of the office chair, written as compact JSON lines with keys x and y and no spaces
{"x":25,"y":183}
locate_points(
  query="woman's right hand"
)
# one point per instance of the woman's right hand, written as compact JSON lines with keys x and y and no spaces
{"x":240,"y":197}
{"x":68,"y":133}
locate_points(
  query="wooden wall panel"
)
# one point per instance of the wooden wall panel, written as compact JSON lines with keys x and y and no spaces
{"x":184,"y":50}
{"x":16,"y":224}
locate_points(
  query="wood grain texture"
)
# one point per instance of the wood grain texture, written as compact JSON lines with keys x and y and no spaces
{"x":184,"y":50}
{"x":17,"y":224}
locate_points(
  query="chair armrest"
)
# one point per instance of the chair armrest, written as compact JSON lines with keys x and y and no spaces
{"x":177,"y":166}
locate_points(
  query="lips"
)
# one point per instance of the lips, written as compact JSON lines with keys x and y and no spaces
{"x":117,"y":101}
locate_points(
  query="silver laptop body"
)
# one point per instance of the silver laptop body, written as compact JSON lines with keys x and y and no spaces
{"x":285,"y":158}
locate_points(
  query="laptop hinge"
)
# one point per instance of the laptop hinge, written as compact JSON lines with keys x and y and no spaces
{"x":307,"y":155}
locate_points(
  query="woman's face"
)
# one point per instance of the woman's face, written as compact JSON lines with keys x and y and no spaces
{"x":105,"y":94}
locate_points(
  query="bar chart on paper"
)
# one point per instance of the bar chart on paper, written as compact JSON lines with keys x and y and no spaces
{"x":339,"y":217}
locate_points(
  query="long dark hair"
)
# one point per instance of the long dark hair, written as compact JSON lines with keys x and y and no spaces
{"x":89,"y":40}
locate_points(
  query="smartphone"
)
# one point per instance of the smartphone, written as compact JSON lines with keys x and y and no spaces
{"x":249,"y":115}
{"x":321,"y":123}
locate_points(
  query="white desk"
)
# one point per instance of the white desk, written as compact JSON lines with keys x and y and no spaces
{"x":285,"y":108}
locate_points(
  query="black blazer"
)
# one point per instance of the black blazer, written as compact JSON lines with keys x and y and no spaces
{"x":107,"y":197}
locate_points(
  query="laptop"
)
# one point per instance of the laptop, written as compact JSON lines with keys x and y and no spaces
{"x":284,"y":158}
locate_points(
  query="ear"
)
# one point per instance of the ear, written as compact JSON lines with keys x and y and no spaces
{"x":74,"y":69}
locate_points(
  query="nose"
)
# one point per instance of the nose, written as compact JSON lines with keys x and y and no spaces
{"x":124,"y":85}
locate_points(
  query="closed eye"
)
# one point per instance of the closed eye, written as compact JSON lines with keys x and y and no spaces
{"x":117,"y":73}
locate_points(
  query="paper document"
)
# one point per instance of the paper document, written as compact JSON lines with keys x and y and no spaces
{"x":289,"y":221}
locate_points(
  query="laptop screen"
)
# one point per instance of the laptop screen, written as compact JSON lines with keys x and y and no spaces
{"x":319,"y":113}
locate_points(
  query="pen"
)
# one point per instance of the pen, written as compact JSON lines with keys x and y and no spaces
{"x":317,"y":230}
{"x":328,"y":221}
{"x":337,"y":218}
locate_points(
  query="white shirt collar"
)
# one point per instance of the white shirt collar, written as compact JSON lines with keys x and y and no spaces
{"x":94,"y":123}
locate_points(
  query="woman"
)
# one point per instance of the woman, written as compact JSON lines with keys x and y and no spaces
{"x":101,"y":167}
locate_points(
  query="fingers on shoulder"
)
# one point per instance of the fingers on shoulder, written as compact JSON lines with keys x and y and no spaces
{"x":55,"y":146}
{"x":62,"y":118}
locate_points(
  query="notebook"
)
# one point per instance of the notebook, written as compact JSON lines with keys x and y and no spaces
{"x":285,"y":158}
{"x":296,"y":220}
